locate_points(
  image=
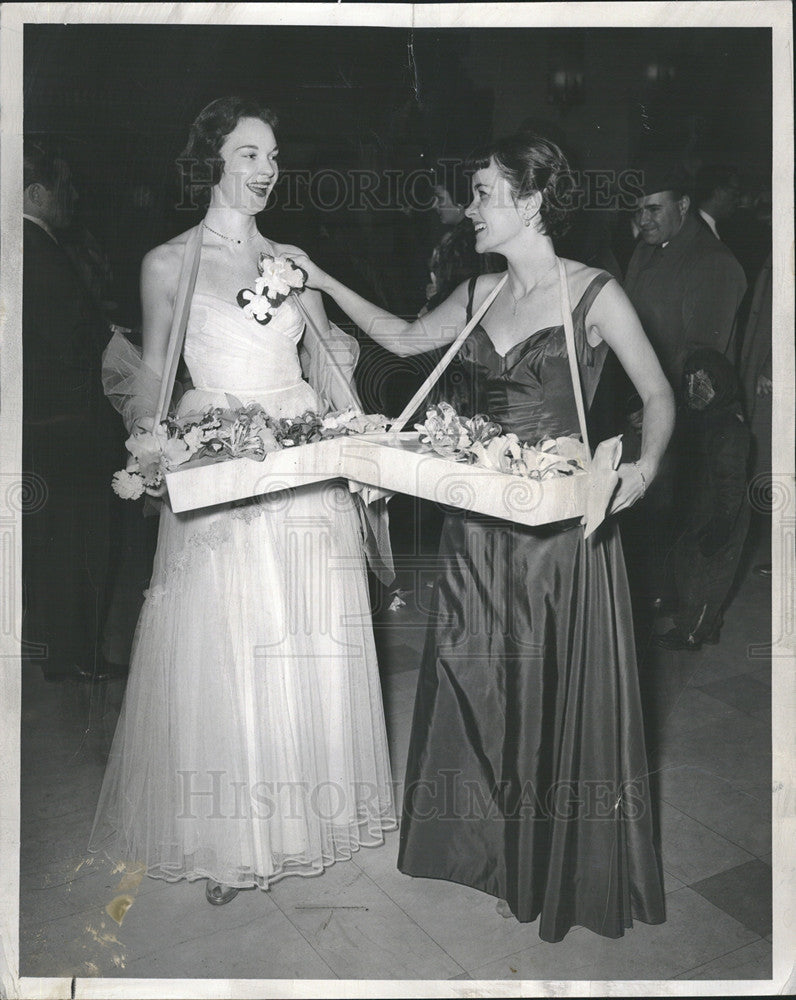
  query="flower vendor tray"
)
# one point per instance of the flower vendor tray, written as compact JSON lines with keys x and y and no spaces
{"x":395,"y":462}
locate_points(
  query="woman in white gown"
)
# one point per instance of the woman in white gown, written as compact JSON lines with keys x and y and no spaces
{"x":251,"y":743}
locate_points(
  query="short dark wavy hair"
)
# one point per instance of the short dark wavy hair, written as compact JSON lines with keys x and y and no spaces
{"x":41,"y":164}
{"x":208,"y":132}
{"x":530,"y":163}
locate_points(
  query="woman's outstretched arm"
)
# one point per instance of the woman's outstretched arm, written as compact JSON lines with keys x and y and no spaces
{"x":404,"y":338}
{"x":614,"y":319}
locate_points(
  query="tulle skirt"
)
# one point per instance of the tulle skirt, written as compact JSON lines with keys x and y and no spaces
{"x":251,"y":743}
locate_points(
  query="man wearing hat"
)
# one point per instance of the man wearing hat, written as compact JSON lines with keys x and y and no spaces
{"x":686,"y":287}
{"x":685,"y":284}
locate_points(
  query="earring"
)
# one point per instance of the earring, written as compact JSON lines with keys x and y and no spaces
{"x":527,"y":222}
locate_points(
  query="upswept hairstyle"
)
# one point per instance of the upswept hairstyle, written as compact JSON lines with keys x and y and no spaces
{"x":530,"y":163}
{"x":208,"y":132}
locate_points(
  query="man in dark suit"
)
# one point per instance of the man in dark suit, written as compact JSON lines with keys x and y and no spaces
{"x":686,"y":287}
{"x":684,"y":283}
{"x":68,"y":443}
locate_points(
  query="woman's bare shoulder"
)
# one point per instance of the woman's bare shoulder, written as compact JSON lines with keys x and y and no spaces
{"x":173,"y":248}
{"x":286,"y":249}
{"x":484,"y":285}
{"x":486,"y":282}
{"x":165,"y":260}
{"x":580,"y":276}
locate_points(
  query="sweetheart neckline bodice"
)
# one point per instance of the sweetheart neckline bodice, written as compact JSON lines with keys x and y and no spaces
{"x":227,"y":350}
{"x":520,"y":343}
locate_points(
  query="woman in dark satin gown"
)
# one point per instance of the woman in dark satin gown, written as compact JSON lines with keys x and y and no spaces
{"x":527,"y":773}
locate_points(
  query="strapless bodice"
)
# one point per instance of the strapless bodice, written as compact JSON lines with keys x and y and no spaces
{"x":225,"y":350}
{"x":227,"y":353}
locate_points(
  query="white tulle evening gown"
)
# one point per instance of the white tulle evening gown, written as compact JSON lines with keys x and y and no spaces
{"x":251,"y":743}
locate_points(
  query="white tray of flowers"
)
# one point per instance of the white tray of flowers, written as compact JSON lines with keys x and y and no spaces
{"x":227,"y":454}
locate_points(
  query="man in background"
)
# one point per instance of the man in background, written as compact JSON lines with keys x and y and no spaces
{"x":718,"y":191}
{"x":68,"y":441}
{"x":686,"y":287}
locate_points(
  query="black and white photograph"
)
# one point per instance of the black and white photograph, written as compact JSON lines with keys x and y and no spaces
{"x":397,"y":588}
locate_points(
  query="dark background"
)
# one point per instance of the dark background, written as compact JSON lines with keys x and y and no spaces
{"x":120,"y":98}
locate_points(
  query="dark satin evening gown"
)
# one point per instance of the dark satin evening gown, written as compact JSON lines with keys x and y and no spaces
{"x":527,"y":773}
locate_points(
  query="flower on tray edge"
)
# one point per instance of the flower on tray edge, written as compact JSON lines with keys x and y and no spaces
{"x":225,"y":433}
{"x":480,"y":441}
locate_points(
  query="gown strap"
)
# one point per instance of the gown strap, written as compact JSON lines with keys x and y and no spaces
{"x":590,"y":359}
{"x":470,"y":294}
{"x":581,"y":310}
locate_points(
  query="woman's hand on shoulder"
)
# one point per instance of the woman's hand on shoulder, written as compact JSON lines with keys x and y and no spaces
{"x":298,"y":256}
{"x":316,"y":277}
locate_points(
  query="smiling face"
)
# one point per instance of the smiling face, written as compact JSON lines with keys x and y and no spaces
{"x":496,"y":215}
{"x":250,"y":171}
{"x":660,"y":216}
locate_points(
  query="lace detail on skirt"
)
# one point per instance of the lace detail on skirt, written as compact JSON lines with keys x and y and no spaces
{"x":247,"y":510}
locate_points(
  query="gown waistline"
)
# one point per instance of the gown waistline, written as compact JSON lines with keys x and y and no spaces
{"x":255,"y":392}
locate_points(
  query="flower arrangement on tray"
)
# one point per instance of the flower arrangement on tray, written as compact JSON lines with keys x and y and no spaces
{"x":279,"y":277}
{"x":220,"y":434}
{"x":480,"y":441}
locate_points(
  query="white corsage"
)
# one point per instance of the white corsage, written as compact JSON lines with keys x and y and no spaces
{"x":279,"y":277}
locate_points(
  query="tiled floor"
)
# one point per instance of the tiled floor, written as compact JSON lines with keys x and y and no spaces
{"x":709,"y":736}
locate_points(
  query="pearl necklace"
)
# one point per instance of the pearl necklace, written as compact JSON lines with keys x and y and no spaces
{"x":516,"y":301}
{"x":231,"y":239}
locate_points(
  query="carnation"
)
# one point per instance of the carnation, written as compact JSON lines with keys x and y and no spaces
{"x":127,"y":485}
